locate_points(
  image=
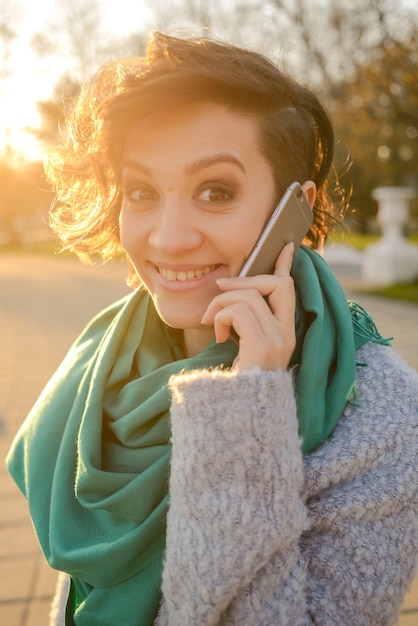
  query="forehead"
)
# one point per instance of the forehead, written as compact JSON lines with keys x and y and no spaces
{"x":193,"y":132}
{"x":194,"y":123}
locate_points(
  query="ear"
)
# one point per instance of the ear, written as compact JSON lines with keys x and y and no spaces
{"x":309,"y":189}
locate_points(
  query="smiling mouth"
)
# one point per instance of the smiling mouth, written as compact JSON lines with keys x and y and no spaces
{"x":185,"y":275}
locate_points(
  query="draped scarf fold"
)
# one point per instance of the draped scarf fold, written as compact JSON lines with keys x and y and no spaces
{"x":93,"y":455}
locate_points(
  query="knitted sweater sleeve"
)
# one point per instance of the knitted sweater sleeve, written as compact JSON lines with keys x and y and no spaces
{"x":259,"y":535}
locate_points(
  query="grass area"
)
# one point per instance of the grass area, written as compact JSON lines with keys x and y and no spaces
{"x":359,"y":240}
{"x":407,"y":292}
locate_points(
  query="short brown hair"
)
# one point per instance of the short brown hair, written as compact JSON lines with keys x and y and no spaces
{"x":296,"y":135}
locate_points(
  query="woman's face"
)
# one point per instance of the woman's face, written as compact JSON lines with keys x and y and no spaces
{"x":196,"y":194}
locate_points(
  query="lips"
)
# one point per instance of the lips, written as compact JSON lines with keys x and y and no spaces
{"x":184,"y":275}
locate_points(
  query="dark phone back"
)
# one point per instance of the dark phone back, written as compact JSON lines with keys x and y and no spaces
{"x":290,"y":221}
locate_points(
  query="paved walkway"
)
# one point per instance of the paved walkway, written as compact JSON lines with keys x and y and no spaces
{"x":44,"y":303}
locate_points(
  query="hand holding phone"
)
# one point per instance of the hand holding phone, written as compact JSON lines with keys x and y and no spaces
{"x":290,"y":221}
{"x":262,"y":343}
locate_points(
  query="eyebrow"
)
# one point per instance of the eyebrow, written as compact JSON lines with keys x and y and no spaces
{"x":192,"y":168}
{"x":135,"y":165}
{"x":221,"y":157}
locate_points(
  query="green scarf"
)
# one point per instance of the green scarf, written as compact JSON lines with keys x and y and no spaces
{"x":93,"y":456}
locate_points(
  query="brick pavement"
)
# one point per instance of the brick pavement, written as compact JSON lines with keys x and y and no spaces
{"x":44,"y":303}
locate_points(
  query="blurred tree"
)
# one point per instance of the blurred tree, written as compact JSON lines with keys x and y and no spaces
{"x":185,"y":14}
{"x":376,"y":119}
{"x":24,"y":198}
{"x":79,"y":36}
{"x":76,"y":35}
{"x":326,"y":40}
{"x":52,"y":111}
{"x":243,"y":22}
{"x":322,"y":40}
{"x":7,"y":34}
{"x":9,"y":16}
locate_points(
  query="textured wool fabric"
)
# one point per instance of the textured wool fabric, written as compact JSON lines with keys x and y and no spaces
{"x":260,"y":534}
{"x":98,"y":499}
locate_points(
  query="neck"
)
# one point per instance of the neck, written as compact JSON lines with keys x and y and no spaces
{"x":197,"y":339}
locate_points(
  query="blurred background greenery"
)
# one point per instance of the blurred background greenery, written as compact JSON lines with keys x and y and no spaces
{"x":361,"y":57}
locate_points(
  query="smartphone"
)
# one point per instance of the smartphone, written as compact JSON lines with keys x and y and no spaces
{"x":290,"y":221}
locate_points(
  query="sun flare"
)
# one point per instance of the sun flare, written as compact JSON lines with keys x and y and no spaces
{"x":27,"y":78}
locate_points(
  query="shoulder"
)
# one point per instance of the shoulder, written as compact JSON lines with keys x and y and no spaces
{"x":387,"y":396}
{"x":361,"y":492}
{"x":383,"y":372}
{"x":378,"y":428}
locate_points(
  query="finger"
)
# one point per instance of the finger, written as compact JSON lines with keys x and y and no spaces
{"x":279,"y":289}
{"x":255,"y":346}
{"x":250,"y":315}
{"x":282,"y":300}
{"x":264,"y":283}
{"x":269,"y":350}
{"x":251,"y":298}
{"x":237,"y":316}
{"x":285,"y":260}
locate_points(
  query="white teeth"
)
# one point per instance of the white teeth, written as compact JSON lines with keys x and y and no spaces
{"x":169,"y":274}
{"x":186,"y":275}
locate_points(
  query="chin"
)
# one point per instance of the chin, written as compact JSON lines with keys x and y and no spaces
{"x":180,"y":319}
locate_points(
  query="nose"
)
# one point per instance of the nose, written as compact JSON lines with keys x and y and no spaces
{"x":174,"y":231}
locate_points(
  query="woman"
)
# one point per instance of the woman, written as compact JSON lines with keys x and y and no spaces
{"x":265,"y":414}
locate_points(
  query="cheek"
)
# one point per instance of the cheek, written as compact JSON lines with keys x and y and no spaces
{"x":130,"y":231}
{"x":122,"y":226}
{"x":239,"y":249}
{"x":249,"y":232}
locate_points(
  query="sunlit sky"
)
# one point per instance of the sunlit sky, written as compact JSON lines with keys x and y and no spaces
{"x":29,"y":78}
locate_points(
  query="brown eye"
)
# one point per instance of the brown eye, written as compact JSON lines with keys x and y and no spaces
{"x":141,"y":194}
{"x":215,"y":194}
